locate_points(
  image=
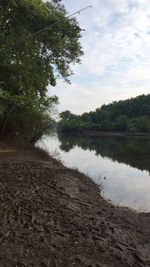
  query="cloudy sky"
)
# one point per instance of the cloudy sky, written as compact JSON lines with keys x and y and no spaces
{"x":116,"y":61}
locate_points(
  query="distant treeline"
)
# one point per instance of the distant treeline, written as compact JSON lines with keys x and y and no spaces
{"x":131,"y":115}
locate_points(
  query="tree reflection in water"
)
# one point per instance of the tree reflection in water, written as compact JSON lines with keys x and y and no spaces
{"x":134,"y":152}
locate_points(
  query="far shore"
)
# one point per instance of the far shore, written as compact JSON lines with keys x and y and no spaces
{"x":125,"y":134}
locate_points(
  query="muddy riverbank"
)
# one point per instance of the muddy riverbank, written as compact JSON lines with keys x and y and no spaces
{"x":54,"y":216}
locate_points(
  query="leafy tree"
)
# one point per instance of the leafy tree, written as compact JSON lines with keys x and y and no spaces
{"x":131,"y":115}
{"x":38,"y":45}
{"x":67,"y":115}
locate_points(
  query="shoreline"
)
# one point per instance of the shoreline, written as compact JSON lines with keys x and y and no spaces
{"x":55,"y":216}
{"x":105,"y":133}
{"x":124,"y":134}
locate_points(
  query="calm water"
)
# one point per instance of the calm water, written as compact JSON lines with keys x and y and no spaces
{"x":120,"y":165}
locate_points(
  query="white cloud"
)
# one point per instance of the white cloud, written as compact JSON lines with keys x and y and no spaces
{"x":116,"y":62}
{"x":124,"y":36}
{"x":79,"y":98}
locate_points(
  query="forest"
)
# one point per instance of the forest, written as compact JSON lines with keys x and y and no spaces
{"x":131,"y":115}
{"x":38,"y":44}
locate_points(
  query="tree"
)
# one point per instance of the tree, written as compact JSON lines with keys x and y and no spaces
{"x":131,"y":115}
{"x":38,"y":45}
{"x":67,"y":115}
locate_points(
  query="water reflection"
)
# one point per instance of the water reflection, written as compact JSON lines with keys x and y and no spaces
{"x":131,"y":151}
{"x":120,"y":165}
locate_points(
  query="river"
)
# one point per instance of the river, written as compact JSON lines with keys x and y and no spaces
{"x":119,"y":165}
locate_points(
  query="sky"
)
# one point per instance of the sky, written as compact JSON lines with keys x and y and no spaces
{"x":116,"y":61}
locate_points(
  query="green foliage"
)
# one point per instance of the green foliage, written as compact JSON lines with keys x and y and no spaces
{"x":31,"y":58}
{"x":132,"y":115}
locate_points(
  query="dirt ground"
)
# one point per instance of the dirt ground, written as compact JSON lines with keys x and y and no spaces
{"x":52,"y":216}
